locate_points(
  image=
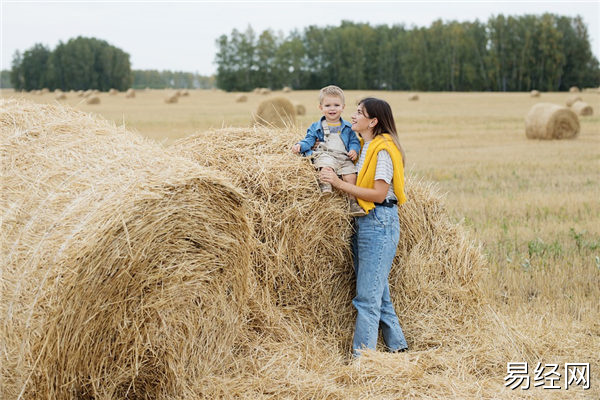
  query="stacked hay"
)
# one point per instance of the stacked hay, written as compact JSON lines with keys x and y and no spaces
{"x":574,"y":89}
{"x":93,"y":100}
{"x":301,"y":323}
{"x":277,"y":112}
{"x":130,"y":94}
{"x":113,"y":92}
{"x":172,"y":98}
{"x":124,"y":269}
{"x":300,"y":109}
{"x":551,"y":121}
{"x":572,"y":100}
{"x":413,"y":97}
{"x":535,"y":93}
{"x":241,"y":98}
{"x":582,"y":108}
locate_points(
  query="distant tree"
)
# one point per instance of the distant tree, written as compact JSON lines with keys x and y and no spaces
{"x":5,"y":79}
{"x":29,"y":70}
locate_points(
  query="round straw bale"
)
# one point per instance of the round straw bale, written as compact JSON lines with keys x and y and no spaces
{"x":130,"y":93}
{"x":172,"y":98}
{"x":124,"y":268}
{"x":265,"y":91}
{"x":413,"y":97}
{"x":88,"y":93}
{"x":80,"y":93}
{"x":113,"y":92}
{"x":574,"y":89}
{"x":278,"y":112}
{"x":185,"y":93}
{"x":551,"y":121}
{"x":93,"y":100}
{"x":241,"y":98}
{"x":256,"y":90}
{"x":45,"y":90}
{"x":572,"y":99}
{"x":582,"y":108}
{"x":535,"y":93}
{"x":287,"y":89}
{"x":60,"y":96}
{"x":300,"y":109}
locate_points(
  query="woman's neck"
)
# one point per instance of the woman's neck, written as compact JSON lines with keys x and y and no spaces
{"x":368,"y":135}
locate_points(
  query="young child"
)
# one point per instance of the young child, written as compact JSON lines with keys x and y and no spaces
{"x":338,"y":144}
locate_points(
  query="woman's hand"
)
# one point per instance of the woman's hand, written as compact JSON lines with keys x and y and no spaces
{"x":329,"y":176}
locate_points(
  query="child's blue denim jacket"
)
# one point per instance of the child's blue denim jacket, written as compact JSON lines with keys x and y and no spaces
{"x":315,"y":131}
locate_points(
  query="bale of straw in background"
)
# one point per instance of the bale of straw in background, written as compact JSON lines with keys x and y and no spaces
{"x":551,"y":121}
{"x":80,"y":93}
{"x":582,"y":108}
{"x":113,"y":92}
{"x":300,"y":109}
{"x":413,"y":97}
{"x":241,"y":98}
{"x":87,"y":93}
{"x":287,"y":89}
{"x":185,"y":93}
{"x":574,"y":89}
{"x":256,"y":90}
{"x":60,"y":96}
{"x":45,"y":90}
{"x":572,"y":99}
{"x":93,"y":100}
{"x":265,"y":91}
{"x":130,"y":93}
{"x":535,"y":93}
{"x":277,"y":112}
{"x":124,"y":268}
{"x":172,"y":98}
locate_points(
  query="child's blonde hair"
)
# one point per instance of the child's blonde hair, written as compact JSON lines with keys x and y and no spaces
{"x":331,"y":90}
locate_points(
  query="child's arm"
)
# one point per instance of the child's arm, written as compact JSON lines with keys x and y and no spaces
{"x":308,"y":142}
{"x":353,"y":143}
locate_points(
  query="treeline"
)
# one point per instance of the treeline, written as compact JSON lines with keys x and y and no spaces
{"x":89,"y":63}
{"x":547,"y":52}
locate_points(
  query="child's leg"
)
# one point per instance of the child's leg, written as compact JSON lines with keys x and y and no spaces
{"x":350,"y":178}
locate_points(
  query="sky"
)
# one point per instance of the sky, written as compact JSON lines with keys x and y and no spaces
{"x":181,"y":35}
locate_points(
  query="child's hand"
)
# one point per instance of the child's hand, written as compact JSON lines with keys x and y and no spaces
{"x":296,"y":148}
{"x":352,"y":154}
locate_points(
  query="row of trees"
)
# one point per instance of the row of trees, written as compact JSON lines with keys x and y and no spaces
{"x":169,"y":79}
{"x":546,"y":52}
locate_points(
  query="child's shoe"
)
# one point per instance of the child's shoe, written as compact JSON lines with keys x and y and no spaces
{"x":325,"y":188}
{"x":356,"y":210}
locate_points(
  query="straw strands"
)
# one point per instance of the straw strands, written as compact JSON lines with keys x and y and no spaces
{"x":551,"y":121}
{"x":124,"y":269}
{"x":277,"y":112}
{"x":582,"y":108}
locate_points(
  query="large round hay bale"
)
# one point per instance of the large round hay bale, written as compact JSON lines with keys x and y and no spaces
{"x":574,"y":89}
{"x":185,"y":93}
{"x":124,"y":268}
{"x":534,"y":93}
{"x":113,"y":92}
{"x":551,"y":121}
{"x":302,"y":259}
{"x":582,"y":108}
{"x":572,"y":99}
{"x":300,"y":109}
{"x":45,"y":90}
{"x":241,"y":98}
{"x":287,"y":89}
{"x":277,"y":112}
{"x":413,"y":97}
{"x":80,"y":93}
{"x":60,"y":96}
{"x":172,"y":98}
{"x":130,"y":94}
{"x":265,"y":91}
{"x":93,"y":100}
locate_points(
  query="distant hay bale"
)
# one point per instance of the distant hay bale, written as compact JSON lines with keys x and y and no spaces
{"x":582,"y":108}
{"x":572,"y":99}
{"x":551,"y":121}
{"x":178,"y":93}
{"x":87,"y":93}
{"x":80,"y":93}
{"x":300,"y":109}
{"x":113,"y":92}
{"x":172,"y":98}
{"x":287,"y":89}
{"x":256,"y":90}
{"x":93,"y":100}
{"x":413,"y":97}
{"x":130,"y":94}
{"x":241,"y":98}
{"x":60,"y":96}
{"x":535,"y":93}
{"x":277,"y":112}
{"x":95,"y":92}
{"x":45,"y":90}
{"x":124,"y":269}
{"x":574,"y":89}
{"x":265,"y":91}
{"x":185,"y":93}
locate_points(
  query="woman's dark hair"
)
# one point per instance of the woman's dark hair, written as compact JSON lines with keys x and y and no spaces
{"x":380,"y":109}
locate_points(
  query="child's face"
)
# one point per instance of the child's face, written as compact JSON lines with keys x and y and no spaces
{"x":332,"y":107}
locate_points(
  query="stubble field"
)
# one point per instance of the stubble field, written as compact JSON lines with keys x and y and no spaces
{"x":534,"y":206}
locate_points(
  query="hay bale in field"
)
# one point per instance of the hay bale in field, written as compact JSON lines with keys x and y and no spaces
{"x":256,"y":90}
{"x":113,"y":92}
{"x":185,"y":93}
{"x":582,"y":108}
{"x":88,"y":93}
{"x":572,"y":99}
{"x":574,"y":89}
{"x":265,"y":91}
{"x":80,"y":93}
{"x":172,"y":98}
{"x":534,"y":93}
{"x":93,"y":100}
{"x":130,"y":94}
{"x":413,"y":97}
{"x":124,"y":268}
{"x":60,"y":96}
{"x":278,"y":112}
{"x":300,"y":109}
{"x":45,"y":90}
{"x":287,"y":89}
{"x":241,"y":98}
{"x":551,"y":121}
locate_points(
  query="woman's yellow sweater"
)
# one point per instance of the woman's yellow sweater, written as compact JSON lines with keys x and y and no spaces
{"x":366,"y":176}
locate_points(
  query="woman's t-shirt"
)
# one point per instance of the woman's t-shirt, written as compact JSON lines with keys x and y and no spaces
{"x":384,"y":170}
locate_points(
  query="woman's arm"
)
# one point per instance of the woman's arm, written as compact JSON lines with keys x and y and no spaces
{"x":376,"y":194}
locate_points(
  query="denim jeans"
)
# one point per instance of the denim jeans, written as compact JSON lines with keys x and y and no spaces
{"x":374,"y":246}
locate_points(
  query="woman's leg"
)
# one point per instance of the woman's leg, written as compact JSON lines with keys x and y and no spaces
{"x":390,"y":326}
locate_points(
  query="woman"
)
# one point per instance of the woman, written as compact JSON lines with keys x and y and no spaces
{"x":379,"y":189}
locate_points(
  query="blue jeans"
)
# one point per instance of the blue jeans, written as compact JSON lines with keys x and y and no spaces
{"x":374,"y":246}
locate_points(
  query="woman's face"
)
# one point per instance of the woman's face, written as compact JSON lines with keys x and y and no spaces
{"x":360,"y":121}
